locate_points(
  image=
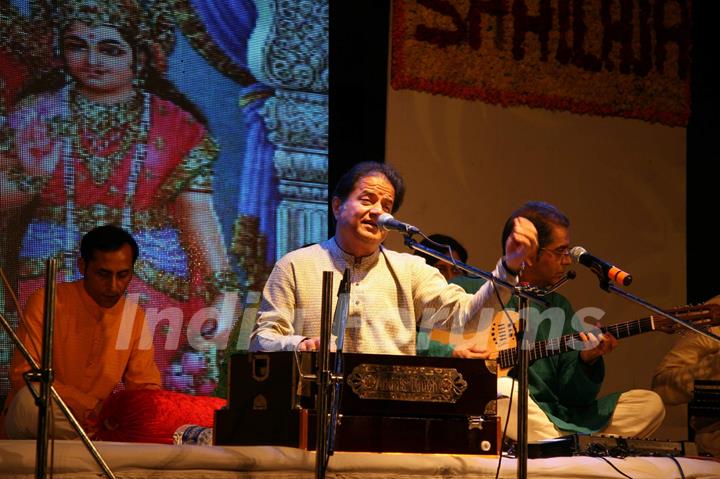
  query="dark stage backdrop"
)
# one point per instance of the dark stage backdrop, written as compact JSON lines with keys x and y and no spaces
{"x":217,"y":172}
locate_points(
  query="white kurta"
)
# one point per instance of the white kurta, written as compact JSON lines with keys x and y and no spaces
{"x":391,"y":295}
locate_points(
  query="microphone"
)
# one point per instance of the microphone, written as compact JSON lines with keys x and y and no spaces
{"x":604,"y":270}
{"x":386,"y":221}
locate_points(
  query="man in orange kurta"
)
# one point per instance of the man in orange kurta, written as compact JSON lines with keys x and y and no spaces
{"x":100,"y":338}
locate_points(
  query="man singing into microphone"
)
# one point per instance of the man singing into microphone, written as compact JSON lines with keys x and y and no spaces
{"x":564,"y":387}
{"x":391,"y":292}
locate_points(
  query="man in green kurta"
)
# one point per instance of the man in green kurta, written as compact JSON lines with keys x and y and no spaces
{"x":564,"y":387}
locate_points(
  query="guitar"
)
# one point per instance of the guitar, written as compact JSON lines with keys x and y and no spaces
{"x":502,"y":343}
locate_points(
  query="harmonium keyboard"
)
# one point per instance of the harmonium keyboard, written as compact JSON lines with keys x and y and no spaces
{"x":388,"y":404}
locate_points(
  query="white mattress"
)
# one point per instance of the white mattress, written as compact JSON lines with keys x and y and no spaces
{"x":131,"y":460}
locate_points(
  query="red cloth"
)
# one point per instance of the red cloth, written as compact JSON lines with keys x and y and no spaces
{"x":153,"y":416}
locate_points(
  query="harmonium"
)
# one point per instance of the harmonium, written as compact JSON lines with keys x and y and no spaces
{"x":388,"y":403}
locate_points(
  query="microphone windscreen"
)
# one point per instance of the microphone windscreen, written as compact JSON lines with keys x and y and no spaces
{"x":576,"y":252}
{"x":384,"y":219}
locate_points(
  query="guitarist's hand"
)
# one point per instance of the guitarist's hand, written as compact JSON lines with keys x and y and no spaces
{"x":309,"y":344}
{"x":521,"y":245}
{"x":596,"y":346}
{"x":470,"y":352}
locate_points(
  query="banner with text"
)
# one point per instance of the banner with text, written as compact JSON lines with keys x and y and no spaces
{"x":628,"y":58}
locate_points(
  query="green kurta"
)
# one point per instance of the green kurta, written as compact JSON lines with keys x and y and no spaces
{"x":562,"y":385}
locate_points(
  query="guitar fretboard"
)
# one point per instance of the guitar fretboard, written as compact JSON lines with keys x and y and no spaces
{"x":507,"y":358}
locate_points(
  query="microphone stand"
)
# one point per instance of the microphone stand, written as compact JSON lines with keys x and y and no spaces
{"x":323,"y":378}
{"x":45,"y":374}
{"x":523,"y":363}
{"x":342,"y":310}
{"x":525,"y":296}
{"x":330,"y":382}
{"x":606,"y":286}
{"x":45,"y":377}
{"x":523,"y":292}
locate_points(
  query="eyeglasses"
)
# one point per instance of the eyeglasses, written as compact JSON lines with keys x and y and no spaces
{"x":560,"y":252}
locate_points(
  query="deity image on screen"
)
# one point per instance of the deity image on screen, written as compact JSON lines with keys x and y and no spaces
{"x":145,"y":115}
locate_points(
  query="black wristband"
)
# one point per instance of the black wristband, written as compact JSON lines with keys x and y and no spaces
{"x":507,"y":268}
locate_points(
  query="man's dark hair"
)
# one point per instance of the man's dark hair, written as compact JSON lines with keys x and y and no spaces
{"x":543,"y":216}
{"x":106,"y":238}
{"x":347,"y":182}
{"x":443,"y":240}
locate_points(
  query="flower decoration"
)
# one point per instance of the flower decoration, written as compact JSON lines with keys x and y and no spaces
{"x":629,"y":58}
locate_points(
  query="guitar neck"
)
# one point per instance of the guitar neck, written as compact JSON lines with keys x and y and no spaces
{"x":507,"y":358}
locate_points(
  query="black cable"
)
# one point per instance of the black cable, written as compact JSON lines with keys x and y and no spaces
{"x":507,"y":316}
{"x":619,"y":452}
{"x":596,"y":449}
{"x":510,"y":321}
{"x":507,"y":420}
{"x":512,"y":386}
{"x":677,"y":463}
{"x":442,"y":246}
{"x":600,"y":451}
{"x":613,"y":466}
{"x":52,"y":438}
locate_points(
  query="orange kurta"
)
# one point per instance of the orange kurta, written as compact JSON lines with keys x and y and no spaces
{"x":94,"y":348}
